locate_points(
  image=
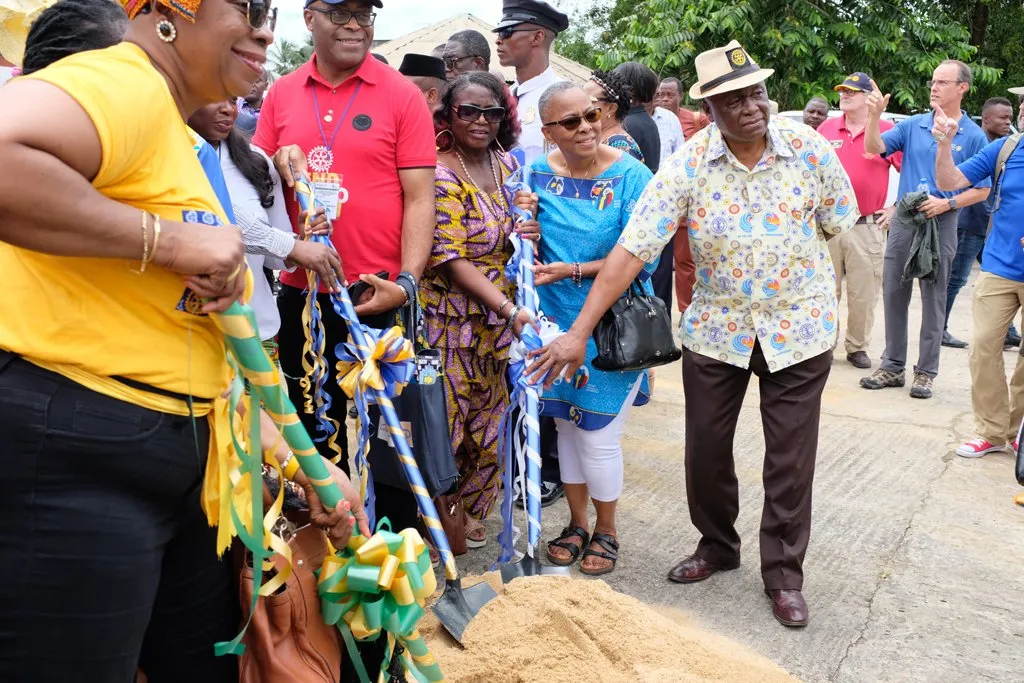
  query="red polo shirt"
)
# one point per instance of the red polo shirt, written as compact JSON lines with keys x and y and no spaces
{"x":869,"y":173}
{"x":385,"y":128}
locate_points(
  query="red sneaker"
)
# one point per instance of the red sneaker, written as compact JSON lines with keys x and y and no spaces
{"x":979,"y":447}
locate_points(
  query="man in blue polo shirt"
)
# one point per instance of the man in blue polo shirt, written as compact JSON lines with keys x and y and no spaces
{"x":998,"y":292}
{"x":950,"y":82}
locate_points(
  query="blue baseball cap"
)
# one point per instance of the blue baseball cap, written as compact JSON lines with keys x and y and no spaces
{"x":857,"y":81}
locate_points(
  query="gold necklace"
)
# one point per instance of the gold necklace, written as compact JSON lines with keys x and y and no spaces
{"x":586,"y":177}
{"x":494,"y":172}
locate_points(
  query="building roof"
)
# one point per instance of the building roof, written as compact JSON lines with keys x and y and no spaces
{"x":426,"y":39}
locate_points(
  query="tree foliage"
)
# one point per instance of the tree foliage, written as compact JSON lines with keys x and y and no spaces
{"x":287,"y":56}
{"x":811,"y":44}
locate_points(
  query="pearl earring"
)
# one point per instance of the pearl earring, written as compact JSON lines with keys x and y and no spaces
{"x":166,"y":31}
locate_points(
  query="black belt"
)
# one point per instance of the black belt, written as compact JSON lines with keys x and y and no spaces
{"x":8,"y":357}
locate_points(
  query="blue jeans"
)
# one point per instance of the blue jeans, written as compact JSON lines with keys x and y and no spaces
{"x":969,"y":248}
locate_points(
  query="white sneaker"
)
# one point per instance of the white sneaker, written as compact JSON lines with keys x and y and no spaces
{"x":977,"y":448}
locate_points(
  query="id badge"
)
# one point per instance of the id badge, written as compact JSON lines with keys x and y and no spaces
{"x":329,"y":191}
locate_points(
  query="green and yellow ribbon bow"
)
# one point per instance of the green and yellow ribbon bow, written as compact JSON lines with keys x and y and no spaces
{"x":380,"y":584}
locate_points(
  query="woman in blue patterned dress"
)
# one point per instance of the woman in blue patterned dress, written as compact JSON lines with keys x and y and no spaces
{"x":611,"y":92}
{"x":585,"y":193}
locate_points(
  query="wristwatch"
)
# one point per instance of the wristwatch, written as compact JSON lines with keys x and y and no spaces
{"x":952,"y":204}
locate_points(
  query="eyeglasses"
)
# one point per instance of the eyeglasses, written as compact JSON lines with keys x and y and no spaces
{"x":506,"y":33}
{"x":259,"y":14}
{"x":471,"y":113}
{"x":942,"y":83}
{"x":343,"y":16}
{"x":451,"y":62}
{"x":571,"y":123}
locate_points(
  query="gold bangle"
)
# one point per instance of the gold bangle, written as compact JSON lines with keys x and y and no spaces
{"x":156,"y":238}
{"x":290,"y":466}
{"x":145,"y":242}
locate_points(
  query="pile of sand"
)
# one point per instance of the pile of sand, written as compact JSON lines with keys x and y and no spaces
{"x":551,"y":629}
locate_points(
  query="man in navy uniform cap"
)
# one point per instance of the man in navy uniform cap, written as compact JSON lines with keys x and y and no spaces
{"x":526,"y":32}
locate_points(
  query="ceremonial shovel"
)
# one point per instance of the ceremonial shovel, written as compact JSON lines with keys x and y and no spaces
{"x":529,"y":565}
{"x":456,"y":607}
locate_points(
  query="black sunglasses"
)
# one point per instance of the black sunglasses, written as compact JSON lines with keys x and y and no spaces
{"x":259,"y":14}
{"x":471,"y":113}
{"x":573,"y":122}
{"x":506,"y":33}
{"x":343,"y":16}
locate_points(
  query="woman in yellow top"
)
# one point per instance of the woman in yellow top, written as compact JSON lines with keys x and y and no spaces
{"x":110,"y":240}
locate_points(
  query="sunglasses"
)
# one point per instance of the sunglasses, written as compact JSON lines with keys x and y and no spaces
{"x":573,"y":122}
{"x":260,"y":14}
{"x":341,"y":17}
{"x":470,"y":113}
{"x":451,"y":63}
{"x":506,"y":33}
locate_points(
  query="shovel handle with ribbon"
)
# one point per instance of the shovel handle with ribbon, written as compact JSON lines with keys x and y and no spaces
{"x":374,"y":367}
{"x":373,"y":585}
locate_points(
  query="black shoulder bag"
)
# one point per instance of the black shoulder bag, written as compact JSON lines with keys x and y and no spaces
{"x":635,"y":333}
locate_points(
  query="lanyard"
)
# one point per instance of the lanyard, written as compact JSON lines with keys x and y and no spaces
{"x":319,"y":120}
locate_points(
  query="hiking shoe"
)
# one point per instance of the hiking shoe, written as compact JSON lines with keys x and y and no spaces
{"x":550,"y":491}
{"x":952,"y":342}
{"x":859,"y":359}
{"x":977,"y":448}
{"x":1012,"y":339}
{"x":882,"y":379}
{"x":922,"y":387}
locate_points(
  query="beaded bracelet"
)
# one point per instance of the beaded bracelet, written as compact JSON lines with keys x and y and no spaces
{"x":577,"y":274}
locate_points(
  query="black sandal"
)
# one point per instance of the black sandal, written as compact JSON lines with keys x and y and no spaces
{"x":562,"y":542}
{"x":611,"y":547}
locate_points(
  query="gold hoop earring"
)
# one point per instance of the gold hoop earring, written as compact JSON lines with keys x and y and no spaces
{"x":165,"y":31}
{"x":437,"y":142}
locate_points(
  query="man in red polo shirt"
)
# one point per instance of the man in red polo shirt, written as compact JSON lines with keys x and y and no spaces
{"x":361,"y":132}
{"x":858,"y":254}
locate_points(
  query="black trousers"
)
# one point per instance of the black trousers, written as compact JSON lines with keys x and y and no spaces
{"x":661,"y":279}
{"x":790,"y":413}
{"x":108,"y":563}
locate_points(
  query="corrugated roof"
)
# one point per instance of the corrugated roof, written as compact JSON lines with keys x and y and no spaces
{"x":426,"y":39}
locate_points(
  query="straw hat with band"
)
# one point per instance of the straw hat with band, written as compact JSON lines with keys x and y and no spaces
{"x":725,"y":69}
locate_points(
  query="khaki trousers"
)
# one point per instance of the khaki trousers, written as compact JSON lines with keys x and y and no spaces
{"x":857,"y":256}
{"x":997,"y":411}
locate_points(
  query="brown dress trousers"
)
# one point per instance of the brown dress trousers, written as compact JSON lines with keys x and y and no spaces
{"x":790,"y":412}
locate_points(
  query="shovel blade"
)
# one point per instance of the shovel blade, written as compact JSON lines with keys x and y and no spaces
{"x":529,"y":566}
{"x":457,"y":606}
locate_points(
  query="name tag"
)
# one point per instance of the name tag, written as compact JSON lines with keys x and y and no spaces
{"x":328,"y":189}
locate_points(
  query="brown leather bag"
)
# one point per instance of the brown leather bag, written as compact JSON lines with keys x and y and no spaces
{"x":452,"y":515}
{"x":287,"y":640}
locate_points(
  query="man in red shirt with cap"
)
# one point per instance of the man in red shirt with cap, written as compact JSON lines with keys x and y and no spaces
{"x":858,"y":254}
{"x":359,"y":129}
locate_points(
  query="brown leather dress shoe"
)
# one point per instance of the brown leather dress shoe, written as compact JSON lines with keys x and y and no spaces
{"x":789,"y":607}
{"x":694,"y":569}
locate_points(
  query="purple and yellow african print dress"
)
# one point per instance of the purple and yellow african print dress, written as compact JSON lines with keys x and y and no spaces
{"x":473,"y":340}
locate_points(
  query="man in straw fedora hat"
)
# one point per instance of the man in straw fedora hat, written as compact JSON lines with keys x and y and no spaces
{"x":758,"y":197}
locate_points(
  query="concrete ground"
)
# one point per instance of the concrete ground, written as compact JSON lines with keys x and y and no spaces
{"x":912,"y":569}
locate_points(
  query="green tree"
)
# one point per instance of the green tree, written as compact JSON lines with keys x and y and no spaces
{"x":811,"y":44}
{"x":997,"y":30}
{"x":287,"y":56}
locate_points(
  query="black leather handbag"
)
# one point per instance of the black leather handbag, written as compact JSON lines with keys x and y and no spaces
{"x":635,"y":333}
